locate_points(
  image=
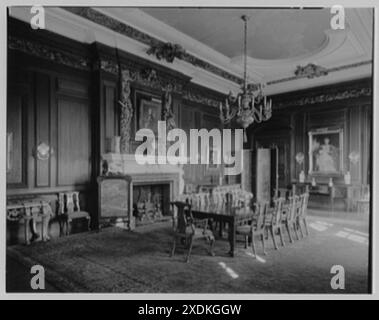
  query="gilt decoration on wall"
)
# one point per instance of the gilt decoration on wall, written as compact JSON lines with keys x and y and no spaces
{"x":126,"y":113}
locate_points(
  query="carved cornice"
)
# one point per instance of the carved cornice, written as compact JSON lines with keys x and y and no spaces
{"x":327,"y":97}
{"x":45,"y":52}
{"x":196,"y":97}
{"x":328,"y":70}
{"x":147,"y":77}
{"x":135,"y":34}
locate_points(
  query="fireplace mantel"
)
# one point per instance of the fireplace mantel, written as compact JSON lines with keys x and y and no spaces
{"x":147,"y":173}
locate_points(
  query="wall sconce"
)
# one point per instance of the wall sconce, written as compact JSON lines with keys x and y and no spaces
{"x":354,"y":157}
{"x":43,"y":151}
{"x":300,"y":160}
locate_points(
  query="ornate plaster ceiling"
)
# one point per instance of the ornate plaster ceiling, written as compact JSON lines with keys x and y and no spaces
{"x":280,"y":40}
{"x":272,"y":33}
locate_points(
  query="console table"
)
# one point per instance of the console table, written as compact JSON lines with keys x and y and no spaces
{"x":30,"y":211}
{"x":348,"y":191}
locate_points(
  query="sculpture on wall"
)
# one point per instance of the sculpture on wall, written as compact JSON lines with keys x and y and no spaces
{"x":126,"y":113}
{"x":167,"y":51}
{"x":310,"y":71}
{"x":167,"y":113}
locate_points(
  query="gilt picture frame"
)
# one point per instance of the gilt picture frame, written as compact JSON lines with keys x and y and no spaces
{"x":326,"y":150}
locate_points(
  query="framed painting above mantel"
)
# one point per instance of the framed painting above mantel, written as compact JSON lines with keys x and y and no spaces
{"x":326,"y":152}
{"x":149,"y":115}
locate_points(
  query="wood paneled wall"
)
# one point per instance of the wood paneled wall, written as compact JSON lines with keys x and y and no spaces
{"x":51,"y":106}
{"x":289,"y":127}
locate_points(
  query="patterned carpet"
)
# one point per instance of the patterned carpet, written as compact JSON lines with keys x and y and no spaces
{"x":116,"y":260}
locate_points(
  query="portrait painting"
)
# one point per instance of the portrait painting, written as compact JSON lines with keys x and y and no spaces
{"x":326,"y":151}
{"x":149,"y":115}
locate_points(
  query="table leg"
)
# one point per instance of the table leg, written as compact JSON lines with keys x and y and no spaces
{"x":26,"y":230}
{"x":232,"y":238}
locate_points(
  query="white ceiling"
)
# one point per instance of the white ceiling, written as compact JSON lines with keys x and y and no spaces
{"x":272,"y":33}
{"x":279,"y":41}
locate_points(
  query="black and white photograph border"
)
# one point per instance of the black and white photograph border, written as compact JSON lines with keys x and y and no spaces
{"x":256,"y":83}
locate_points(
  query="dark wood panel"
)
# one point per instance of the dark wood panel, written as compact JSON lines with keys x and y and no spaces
{"x":187,"y":118}
{"x":327,"y":118}
{"x":72,"y":87}
{"x":42,"y":107}
{"x":15,"y":139}
{"x":354,"y":142}
{"x":73,"y":142}
{"x":110,"y":110}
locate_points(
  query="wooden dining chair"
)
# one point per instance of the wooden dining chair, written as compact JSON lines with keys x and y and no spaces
{"x":293,"y":217}
{"x":282,"y":193}
{"x":69,"y":210}
{"x":302,"y":214}
{"x":254,"y":226}
{"x":289,"y":217}
{"x":187,"y":229}
{"x":274,"y":223}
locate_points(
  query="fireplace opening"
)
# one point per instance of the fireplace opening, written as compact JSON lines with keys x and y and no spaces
{"x":151,"y":203}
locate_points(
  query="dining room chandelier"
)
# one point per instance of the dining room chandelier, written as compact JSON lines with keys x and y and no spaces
{"x":250,"y":105}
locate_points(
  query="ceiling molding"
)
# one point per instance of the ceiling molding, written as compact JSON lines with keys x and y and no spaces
{"x":328,"y":70}
{"x":131,"y":32}
{"x":342,"y":94}
{"x":345,"y":54}
{"x":41,"y":50}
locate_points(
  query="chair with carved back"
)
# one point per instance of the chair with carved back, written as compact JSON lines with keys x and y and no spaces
{"x":69,"y":210}
{"x":293,"y":216}
{"x":254,"y":226}
{"x":282,"y":193}
{"x":363,"y":203}
{"x":302,"y":216}
{"x":187,"y":229}
{"x":274,"y":222}
{"x":289,"y":217}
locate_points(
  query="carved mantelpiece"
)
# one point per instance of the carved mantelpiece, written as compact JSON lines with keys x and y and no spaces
{"x":148,"y":173}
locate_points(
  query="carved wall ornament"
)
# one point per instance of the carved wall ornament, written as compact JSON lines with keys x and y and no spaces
{"x":109,"y":66}
{"x":126,"y":113}
{"x":310,"y":71}
{"x":167,"y":51}
{"x":167,"y":110}
{"x":149,"y":75}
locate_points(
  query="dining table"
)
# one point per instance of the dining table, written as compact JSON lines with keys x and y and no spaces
{"x":231,"y":217}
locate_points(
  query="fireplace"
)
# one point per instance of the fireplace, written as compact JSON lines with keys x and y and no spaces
{"x":154,"y":185}
{"x":151,"y":202}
